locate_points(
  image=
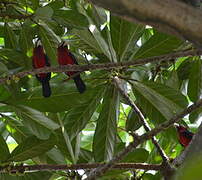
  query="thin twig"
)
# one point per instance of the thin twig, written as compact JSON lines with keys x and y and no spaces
{"x":105,"y":66}
{"x":140,"y":115}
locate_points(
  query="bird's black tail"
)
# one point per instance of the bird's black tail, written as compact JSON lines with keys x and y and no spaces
{"x":46,"y":88}
{"x":79,"y":84}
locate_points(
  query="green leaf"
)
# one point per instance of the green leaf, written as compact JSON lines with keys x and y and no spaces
{"x":196,"y":115}
{"x":106,"y":128}
{"x":38,"y":117}
{"x":44,"y":13}
{"x":31,"y":148}
{"x":37,"y":123}
{"x":158,"y":44}
{"x":104,"y":42}
{"x":173,"y":80}
{"x":55,"y":155}
{"x":10,"y":37}
{"x":50,"y":42}
{"x":138,"y":155}
{"x":4,"y":151}
{"x":66,"y":94}
{"x":15,"y":56}
{"x":124,"y":45}
{"x":78,"y":117}
{"x":98,"y":17}
{"x":3,"y":69}
{"x":4,"y":93}
{"x":56,"y":4}
{"x":26,"y":176}
{"x":35,"y":4}
{"x":16,"y":129}
{"x":65,"y":145}
{"x":71,"y":18}
{"x":133,"y":123}
{"x":159,"y":102}
{"x":69,"y":145}
{"x":26,"y":39}
{"x":184,"y":69}
{"x":87,"y":41}
{"x":195,"y":81}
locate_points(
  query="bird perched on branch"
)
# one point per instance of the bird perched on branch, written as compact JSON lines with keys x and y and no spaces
{"x":65,"y":57}
{"x":184,"y":135}
{"x":40,"y":60}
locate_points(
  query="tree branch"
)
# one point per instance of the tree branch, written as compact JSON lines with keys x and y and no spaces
{"x":118,"y":84}
{"x":15,"y":16}
{"x":102,"y":169}
{"x":56,"y":167}
{"x":170,"y":16}
{"x":106,"y":66}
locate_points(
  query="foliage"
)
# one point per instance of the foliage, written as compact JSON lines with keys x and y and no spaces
{"x":69,"y":127}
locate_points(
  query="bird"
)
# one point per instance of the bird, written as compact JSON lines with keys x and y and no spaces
{"x":65,"y":57}
{"x":40,"y":60}
{"x":184,"y":135}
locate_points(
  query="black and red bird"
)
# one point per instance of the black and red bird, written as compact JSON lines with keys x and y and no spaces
{"x":40,"y":60}
{"x":184,"y":135}
{"x":65,"y":57}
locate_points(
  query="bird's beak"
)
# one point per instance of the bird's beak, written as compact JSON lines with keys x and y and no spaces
{"x":38,"y":43}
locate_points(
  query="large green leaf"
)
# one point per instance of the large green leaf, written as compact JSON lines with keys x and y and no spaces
{"x":87,"y":41}
{"x":15,"y":56}
{"x":157,"y":45}
{"x":78,"y":117}
{"x":71,"y":18}
{"x":26,"y":37}
{"x":31,"y":148}
{"x":64,"y":97}
{"x":16,"y":129}
{"x":104,"y":42}
{"x":98,"y":18}
{"x":124,"y":36}
{"x":133,"y":123}
{"x":105,"y":134}
{"x":37,"y":123}
{"x":50,"y":42}
{"x":38,"y":117}
{"x":138,"y":155}
{"x":44,"y":13}
{"x":4,"y":151}
{"x":10,"y":37}
{"x":184,"y":69}
{"x":195,"y":81}
{"x":55,"y":155}
{"x":158,"y":101}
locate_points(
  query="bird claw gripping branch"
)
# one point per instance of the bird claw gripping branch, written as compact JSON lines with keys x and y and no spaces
{"x":65,"y":57}
{"x":40,"y":60}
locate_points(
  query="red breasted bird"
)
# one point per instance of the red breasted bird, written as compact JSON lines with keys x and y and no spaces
{"x":184,"y":135}
{"x":40,"y":60}
{"x":65,"y":57}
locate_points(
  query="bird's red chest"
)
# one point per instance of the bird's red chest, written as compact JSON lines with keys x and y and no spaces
{"x":64,"y":58}
{"x":39,"y":61}
{"x":184,"y":141}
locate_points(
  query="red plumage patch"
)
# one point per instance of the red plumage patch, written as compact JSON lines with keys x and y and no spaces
{"x":184,"y":135}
